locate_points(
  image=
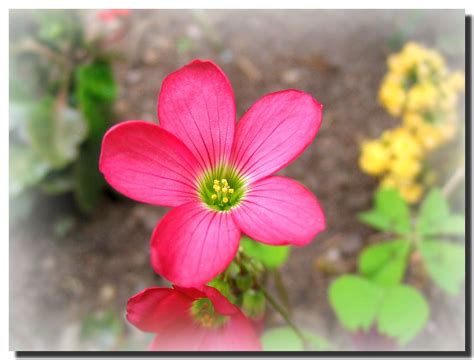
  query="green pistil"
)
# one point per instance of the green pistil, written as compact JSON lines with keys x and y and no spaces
{"x":204,"y":313}
{"x":222,"y":188}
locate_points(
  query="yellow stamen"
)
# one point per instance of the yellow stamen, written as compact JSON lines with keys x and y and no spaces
{"x":225,"y":189}
{"x":217,"y":188}
{"x":213,"y":196}
{"x":216,"y":182}
{"x":231,"y":191}
{"x":225,"y":200}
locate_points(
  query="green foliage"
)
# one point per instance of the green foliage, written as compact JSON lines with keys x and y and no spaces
{"x":391,"y":213}
{"x":26,"y":169}
{"x":55,"y":132}
{"x":88,"y":181}
{"x":271,"y":257}
{"x":445,"y":263}
{"x":285,"y":339}
{"x":60,"y":107}
{"x":399,"y":311}
{"x":355,"y":301}
{"x":403,"y":313}
{"x":435,"y":218}
{"x":95,"y":92}
{"x":385,"y":262}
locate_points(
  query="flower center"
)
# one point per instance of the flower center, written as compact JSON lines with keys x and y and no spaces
{"x":205,"y":315}
{"x":221,"y":188}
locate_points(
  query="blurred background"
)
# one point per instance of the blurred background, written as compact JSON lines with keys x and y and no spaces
{"x":79,"y":250}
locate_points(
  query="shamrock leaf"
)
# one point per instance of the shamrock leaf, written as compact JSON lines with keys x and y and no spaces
{"x":435,"y":218}
{"x":403,"y":313}
{"x":355,"y":301}
{"x":445,"y":263}
{"x":391,"y":213}
{"x":385,"y":262}
{"x":399,"y":311}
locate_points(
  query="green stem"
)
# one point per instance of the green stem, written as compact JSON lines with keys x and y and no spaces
{"x":285,"y":316}
{"x":282,"y":293}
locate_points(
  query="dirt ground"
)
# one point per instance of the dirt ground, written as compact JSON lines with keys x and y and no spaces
{"x":339,"y":57}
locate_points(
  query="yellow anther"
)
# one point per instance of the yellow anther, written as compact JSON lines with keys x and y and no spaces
{"x":224,"y":181}
{"x":213,"y":196}
{"x":216,"y":182}
{"x":225,"y":200}
{"x":231,"y":191}
{"x":217,"y":188}
{"x":225,"y":189}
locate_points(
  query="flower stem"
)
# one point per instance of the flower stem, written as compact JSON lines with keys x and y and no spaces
{"x":279,"y":308}
{"x":282,"y":294}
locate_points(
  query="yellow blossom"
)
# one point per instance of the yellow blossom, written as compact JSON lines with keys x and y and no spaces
{"x":401,"y":141}
{"x":374,"y":157}
{"x":421,"y":96}
{"x":405,"y":166}
{"x":411,"y":192}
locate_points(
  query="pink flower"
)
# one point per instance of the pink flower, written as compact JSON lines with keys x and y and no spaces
{"x":215,"y":175}
{"x":110,"y":15}
{"x":191,"y":319}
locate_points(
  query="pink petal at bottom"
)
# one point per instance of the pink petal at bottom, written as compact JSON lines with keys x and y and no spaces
{"x":192,"y":244}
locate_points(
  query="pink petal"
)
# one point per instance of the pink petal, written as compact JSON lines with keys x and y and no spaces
{"x":196,"y":104}
{"x":155,"y":309}
{"x":274,"y":132}
{"x":280,"y":211}
{"x":237,"y":334}
{"x":192,"y":244}
{"x":147,"y":163}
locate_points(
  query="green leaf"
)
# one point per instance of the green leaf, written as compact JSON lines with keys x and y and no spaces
{"x":88,"y":181}
{"x":385,"y":262}
{"x":97,"y":79}
{"x":272,"y":257}
{"x":355,"y":301}
{"x":95,"y":93}
{"x":55,"y":132}
{"x":445,"y":263}
{"x":26,"y":169}
{"x":391,"y":213}
{"x":284,"y":338}
{"x":281,"y":339}
{"x":403,"y":313}
{"x":435,"y":218}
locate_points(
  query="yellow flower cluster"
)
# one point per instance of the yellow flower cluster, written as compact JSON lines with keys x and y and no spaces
{"x":418,"y":88}
{"x":418,"y":81}
{"x":396,"y":158}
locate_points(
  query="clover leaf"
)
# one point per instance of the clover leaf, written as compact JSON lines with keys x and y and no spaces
{"x":390,"y":213}
{"x":399,"y":311}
